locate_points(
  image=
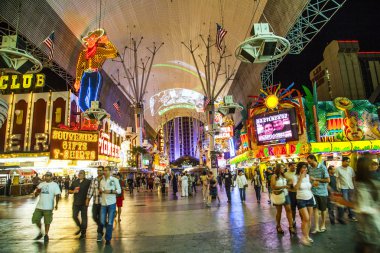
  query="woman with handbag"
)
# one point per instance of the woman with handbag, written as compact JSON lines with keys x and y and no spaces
{"x":242,"y":183}
{"x":305,"y":200}
{"x":280,"y":198}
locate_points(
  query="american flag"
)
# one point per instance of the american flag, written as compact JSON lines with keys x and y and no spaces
{"x":220,"y":33}
{"x":49,"y":42}
{"x":116,"y":105}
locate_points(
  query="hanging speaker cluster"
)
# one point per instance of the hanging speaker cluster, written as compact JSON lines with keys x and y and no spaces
{"x":262,"y":46}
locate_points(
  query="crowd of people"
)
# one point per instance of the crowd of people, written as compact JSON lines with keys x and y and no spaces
{"x":316,"y":191}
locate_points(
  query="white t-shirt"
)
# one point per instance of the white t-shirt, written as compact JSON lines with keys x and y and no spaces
{"x":344,"y":177}
{"x":106,"y":185}
{"x":304,"y":192}
{"x":289,"y":177}
{"x":48,"y":192}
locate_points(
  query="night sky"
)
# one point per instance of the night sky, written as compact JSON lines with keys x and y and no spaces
{"x":356,"y":20}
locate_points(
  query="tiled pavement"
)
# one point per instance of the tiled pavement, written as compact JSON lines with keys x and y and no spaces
{"x":155,"y":223}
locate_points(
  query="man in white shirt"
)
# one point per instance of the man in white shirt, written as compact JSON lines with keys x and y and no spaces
{"x":345,"y":176}
{"x":47,"y":191}
{"x":109,"y":187}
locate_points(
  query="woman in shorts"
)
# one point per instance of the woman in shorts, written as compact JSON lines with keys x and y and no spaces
{"x":305,"y":200}
{"x":279,"y":186}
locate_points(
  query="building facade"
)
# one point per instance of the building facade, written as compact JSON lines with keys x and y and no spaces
{"x":346,"y":72}
{"x":182,"y":135}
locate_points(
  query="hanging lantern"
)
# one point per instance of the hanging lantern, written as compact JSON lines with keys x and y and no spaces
{"x":3,"y":111}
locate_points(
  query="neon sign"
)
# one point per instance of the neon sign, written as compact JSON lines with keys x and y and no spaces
{"x":73,"y":145}
{"x":24,"y":82}
{"x":108,"y":148}
{"x":90,"y":61}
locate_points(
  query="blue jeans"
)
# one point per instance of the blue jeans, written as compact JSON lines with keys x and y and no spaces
{"x":242,"y":193}
{"x":347,"y":195}
{"x":110,"y":211}
{"x":89,"y":89}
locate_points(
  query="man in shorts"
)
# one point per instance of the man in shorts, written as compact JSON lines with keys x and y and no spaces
{"x":47,"y":190}
{"x":320,"y":179}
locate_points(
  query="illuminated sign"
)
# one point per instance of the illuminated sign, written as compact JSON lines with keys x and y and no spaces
{"x":320,"y":147}
{"x":341,"y":146}
{"x":14,"y":142}
{"x":108,"y":148}
{"x":225,"y":133}
{"x":182,"y":98}
{"x":276,"y":127}
{"x":22,"y":82}
{"x":280,"y":150}
{"x":74,"y":145}
{"x":361,"y":145}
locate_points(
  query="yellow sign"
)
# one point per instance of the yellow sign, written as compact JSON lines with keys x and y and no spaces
{"x":361,"y":145}
{"x":25,"y":82}
{"x":320,"y":147}
{"x":74,"y":145}
{"x":343,"y":146}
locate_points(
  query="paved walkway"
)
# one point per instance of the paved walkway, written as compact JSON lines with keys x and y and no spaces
{"x":155,"y":223}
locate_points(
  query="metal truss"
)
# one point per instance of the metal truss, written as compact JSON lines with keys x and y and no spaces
{"x":312,"y":19}
{"x":7,"y":29}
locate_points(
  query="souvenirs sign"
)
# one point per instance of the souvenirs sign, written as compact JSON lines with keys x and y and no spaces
{"x":74,"y":145}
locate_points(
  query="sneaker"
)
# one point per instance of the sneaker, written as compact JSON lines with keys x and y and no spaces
{"x":353,"y":219}
{"x":46,"y":238}
{"x":108,"y":242}
{"x":39,"y":236}
{"x":99,"y":238}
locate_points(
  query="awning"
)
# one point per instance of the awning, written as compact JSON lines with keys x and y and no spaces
{"x":243,"y":157}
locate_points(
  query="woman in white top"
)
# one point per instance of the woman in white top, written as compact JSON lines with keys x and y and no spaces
{"x":305,"y":200}
{"x":242,"y":183}
{"x":279,"y":186}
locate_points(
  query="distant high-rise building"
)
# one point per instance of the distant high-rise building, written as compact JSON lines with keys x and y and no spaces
{"x":346,"y":72}
{"x":182,"y":136}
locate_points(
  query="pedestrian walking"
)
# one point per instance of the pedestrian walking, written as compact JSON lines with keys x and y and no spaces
{"x":345,"y":176}
{"x":47,"y":190}
{"x":109,"y":187}
{"x":204,"y":182}
{"x":257,"y":183}
{"x":185,"y":185}
{"x":242,"y":184}
{"x":319,"y":178}
{"x":305,"y":200}
{"x":279,"y":188}
{"x":175,"y":184}
{"x":332,"y":190}
{"x":119,"y":197}
{"x":289,"y":175}
{"x":228,"y":184}
{"x":94,"y":191}
{"x":213,"y":189}
{"x":80,"y":188}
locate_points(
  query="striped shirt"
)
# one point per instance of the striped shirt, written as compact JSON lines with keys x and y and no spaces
{"x":94,"y":191}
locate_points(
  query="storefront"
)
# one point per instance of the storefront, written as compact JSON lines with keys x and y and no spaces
{"x":63,"y":144}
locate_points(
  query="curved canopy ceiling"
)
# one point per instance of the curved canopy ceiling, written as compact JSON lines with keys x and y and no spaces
{"x":168,"y":21}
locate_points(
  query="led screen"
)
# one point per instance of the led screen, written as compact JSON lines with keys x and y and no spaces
{"x":280,"y":126}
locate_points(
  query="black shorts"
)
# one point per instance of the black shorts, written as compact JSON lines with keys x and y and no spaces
{"x":321,"y":202}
